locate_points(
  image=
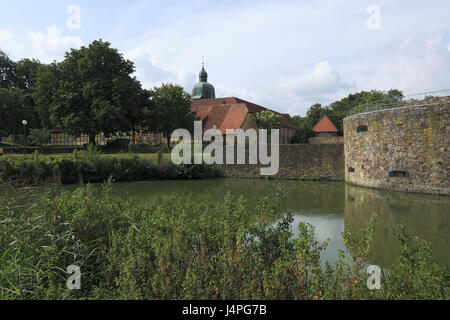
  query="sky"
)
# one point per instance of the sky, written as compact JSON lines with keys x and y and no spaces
{"x":285,"y":55}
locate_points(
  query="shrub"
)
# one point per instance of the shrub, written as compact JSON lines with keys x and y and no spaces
{"x":89,"y":166}
{"x":39,"y":137}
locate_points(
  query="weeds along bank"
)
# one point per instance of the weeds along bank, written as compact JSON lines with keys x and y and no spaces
{"x":89,"y":167}
{"x":179,"y":248}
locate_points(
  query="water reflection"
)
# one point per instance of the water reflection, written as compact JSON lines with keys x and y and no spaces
{"x":425,"y":216}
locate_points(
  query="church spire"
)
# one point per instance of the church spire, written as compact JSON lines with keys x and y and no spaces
{"x":203,"y":76}
{"x":203,"y":89}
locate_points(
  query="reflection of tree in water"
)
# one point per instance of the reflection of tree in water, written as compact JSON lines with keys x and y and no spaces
{"x":425,"y":216}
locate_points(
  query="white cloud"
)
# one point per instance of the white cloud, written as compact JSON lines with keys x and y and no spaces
{"x":151,"y":72}
{"x":418,"y":65}
{"x":322,"y":80}
{"x":289,"y":55}
{"x":9,"y":44}
{"x":52,"y":45}
{"x":298,"y":92}
{"x":286,"y":55}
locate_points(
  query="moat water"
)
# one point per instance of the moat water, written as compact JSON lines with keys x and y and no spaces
{"x":331,"y":207}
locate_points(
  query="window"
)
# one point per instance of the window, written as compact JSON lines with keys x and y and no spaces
{"x":350,"y":169}
{"x":361,"y":128}
{"x":398,"y":173}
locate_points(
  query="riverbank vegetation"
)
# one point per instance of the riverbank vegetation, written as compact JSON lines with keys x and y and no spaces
{"x":178,"y":248}
{"x":90,"y":166}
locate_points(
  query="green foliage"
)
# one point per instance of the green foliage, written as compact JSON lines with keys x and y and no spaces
{"x":304,"y":130}
{"x":338,"y":110}
{"x":12,"y":111}
{"x":170,"y":110}
{"x":8,"y":72}
{"x":90,"y":166}
{"x":416,"y":274}
{"x":90,"y":92}
{"x":16,"y":102}
{"x":269,"y":120}
{"x":46,"y":85}
{"x":178,"y":248}
{"x":39,"y":137}
{"x":145,"y":147}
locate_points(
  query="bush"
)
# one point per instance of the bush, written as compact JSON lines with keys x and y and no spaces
{"x":89,"y":167}
{"x":39,"y":137}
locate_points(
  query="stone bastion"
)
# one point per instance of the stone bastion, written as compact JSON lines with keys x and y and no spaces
{"x":404,"y":149}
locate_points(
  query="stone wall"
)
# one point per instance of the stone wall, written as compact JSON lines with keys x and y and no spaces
{"x":299,"y":161}
{"x":405,"y":149}
{"x":326,"y":140}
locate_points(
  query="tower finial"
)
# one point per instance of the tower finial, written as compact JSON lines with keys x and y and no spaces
{"x":203,"y":76}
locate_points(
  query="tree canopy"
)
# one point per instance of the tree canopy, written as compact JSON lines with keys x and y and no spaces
{"x":13,"y":111}
{"x":269,"y":120}
{"x":338,"y":110}
{"x":8,"y":76}
{"x":90,"y":92}
{"x":169,"y":110}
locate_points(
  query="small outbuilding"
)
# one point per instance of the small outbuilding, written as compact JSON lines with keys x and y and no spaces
{"x":325,"y":128}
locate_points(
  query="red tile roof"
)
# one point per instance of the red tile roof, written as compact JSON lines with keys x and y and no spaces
{"x":230,"y":113}
{"x":226,"y":116}
{"x":325,"y":125}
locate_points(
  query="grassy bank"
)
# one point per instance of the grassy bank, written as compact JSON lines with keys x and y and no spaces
{"x":178,"y":248}
{"x":90,"y":166}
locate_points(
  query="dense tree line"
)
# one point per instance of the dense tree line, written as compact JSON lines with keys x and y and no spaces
{"x":16,"y":103}
{"x":91,"y":91}
{"x":338,"y":110}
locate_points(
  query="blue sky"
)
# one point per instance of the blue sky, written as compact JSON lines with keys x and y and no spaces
{"x":285,"y":55}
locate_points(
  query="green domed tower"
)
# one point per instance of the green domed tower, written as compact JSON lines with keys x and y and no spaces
{"x":203,"y":89}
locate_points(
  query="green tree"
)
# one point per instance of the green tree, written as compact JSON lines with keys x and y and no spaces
{"x":91,"y":91}
{"x":315,"y":113}
{"x":8,"y":76}
{"x":305,"y":124}
{"x":269,"y":120}
{"x":170,"y":109}
{"x":13,"y":111}
{"x":46,"y":85}
{"x":338,"y":110}
{"x":26,"y":72}
{"x":304,"y":130}
{"x":40,"y":137}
